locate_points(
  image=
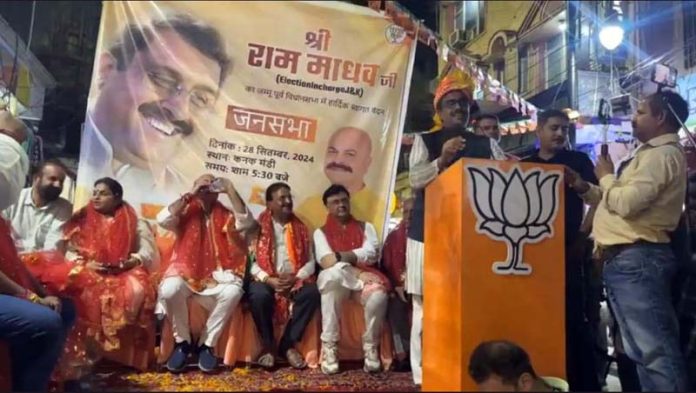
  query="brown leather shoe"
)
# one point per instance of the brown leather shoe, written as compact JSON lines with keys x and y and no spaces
{"x":295,"y":359}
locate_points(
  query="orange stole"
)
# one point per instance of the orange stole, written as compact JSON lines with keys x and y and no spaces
{"x":199,"y":249}
{"x":115,"y":310}
{"x":297,"y":244}
{"x":349,"y":237}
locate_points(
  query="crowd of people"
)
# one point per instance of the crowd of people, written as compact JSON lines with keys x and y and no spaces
{"x":95,"y":279}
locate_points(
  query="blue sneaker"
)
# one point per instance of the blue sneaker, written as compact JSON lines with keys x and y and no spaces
{"x":207,"y":362}
{"x":177,"y":360}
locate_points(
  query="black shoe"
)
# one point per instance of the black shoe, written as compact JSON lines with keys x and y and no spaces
{"x":207,"y":362}
{"x":177,"y":360}
{"x":402,"y":366}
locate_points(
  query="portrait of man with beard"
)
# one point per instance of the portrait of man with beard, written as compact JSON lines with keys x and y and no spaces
{"x":155,"y":86}
{"x":346,"y":162}
{"x":39,"y":213}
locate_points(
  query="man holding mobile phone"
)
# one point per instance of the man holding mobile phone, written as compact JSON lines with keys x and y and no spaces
{"x":208,"y":264}
{"x":639,"y":205}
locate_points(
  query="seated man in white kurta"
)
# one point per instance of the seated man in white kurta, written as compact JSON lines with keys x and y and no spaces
{"x":208,"y":264}
{"x":347,"y":249}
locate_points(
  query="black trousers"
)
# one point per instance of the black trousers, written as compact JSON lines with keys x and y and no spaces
{"x":398,"y":314}
{"x":261,"y":298}
{"x":581,"y":362}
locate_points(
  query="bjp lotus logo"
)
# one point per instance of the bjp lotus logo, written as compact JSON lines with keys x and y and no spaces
{"x":514,"y":207}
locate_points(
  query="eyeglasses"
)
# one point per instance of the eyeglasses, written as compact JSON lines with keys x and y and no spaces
{"x":200,"y":98}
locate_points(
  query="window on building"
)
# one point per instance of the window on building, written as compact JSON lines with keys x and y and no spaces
{"x":689,"y":12}
{"x":499,"y":70}
{"x":469,"y":15}
{"x":555,"y":61}
{"x":524,"y":71}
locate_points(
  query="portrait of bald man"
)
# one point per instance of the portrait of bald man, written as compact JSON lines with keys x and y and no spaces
{"x":346,"y":162}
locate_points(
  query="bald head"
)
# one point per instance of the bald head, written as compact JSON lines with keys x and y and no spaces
{"x":348,"y":157}
{"x":12,"y":127}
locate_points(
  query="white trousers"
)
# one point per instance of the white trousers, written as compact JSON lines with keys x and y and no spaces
{"x":174,"y":294}
{"x":417,"y":340}
{"x":335,"y":287}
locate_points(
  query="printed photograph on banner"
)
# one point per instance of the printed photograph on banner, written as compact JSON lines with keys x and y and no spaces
{"x":180,"y":89}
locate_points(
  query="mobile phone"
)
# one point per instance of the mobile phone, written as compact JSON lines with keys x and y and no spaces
{"x":665,"y":75}
{"x":216,"y":185}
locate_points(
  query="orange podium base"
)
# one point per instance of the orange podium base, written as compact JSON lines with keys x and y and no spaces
{"x":494,"y":267}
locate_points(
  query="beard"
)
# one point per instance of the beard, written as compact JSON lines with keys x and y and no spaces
{"x":50,"y":193}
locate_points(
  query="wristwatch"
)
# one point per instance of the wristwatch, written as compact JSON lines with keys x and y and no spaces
{"x":338,"y":256}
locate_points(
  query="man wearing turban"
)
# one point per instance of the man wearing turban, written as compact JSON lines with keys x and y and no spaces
{"x":432,"y":153}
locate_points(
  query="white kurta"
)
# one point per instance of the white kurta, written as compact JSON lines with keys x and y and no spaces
{"x":220,"y":300}
{"x":342,"y":280}
{"x":422,"y":171}
{"x":282,"y":258}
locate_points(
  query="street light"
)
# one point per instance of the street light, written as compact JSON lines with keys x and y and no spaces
{"x":611,"y":36}
{"x":612,"y":33}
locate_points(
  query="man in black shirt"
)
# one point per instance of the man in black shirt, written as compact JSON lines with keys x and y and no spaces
{"x":552,"y":131}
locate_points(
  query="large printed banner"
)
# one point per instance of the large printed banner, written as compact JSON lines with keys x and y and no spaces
{"x":308,"y":93}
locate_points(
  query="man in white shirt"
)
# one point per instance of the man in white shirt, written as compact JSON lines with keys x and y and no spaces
{"x":38,"y":215}
{"x":347,"y":250}
{"x":284,"y":273}
{"x":207,"y":264}
{"x":156,"y":84}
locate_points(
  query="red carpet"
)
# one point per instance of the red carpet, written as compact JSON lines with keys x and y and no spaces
{"x":352,"y":378}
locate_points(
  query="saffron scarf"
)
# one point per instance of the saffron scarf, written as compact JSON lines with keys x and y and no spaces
{"x":106,"y":303}
{"x":108,"y":240}
{"x":348,"y":237}
{"x":298,"y":245}
{"x":105,"y":239}
{"x":207,"y":241}
{"x":296,"y":241}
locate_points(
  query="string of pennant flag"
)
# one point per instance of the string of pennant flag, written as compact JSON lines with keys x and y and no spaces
{"x":487,"y":88}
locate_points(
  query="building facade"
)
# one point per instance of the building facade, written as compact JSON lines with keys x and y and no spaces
{"x":524,"y":44}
